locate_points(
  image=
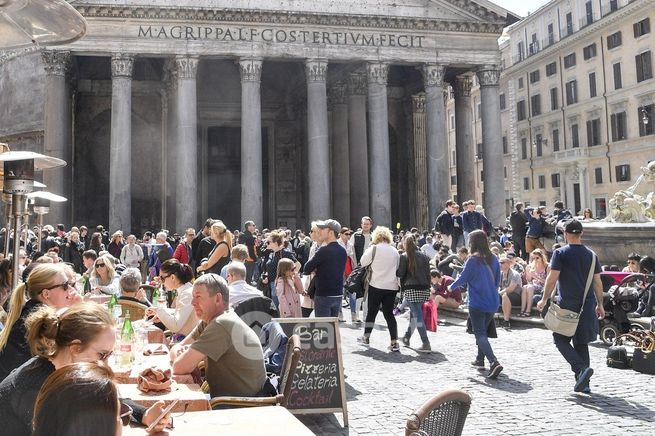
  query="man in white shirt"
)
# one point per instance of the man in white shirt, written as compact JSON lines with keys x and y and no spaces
{"x":239,"y":289}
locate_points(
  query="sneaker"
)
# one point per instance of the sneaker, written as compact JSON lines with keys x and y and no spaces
{"x":478,"y":363}
{"x":357,"y":321}
{"x":495,"y":370}
{"x":395,"y":347}
{"x":582,"y":380}
{"x":425,"y":348}
{"x":405,"y":341}
{"x":505,"y":324}
{"x":364,"y":340}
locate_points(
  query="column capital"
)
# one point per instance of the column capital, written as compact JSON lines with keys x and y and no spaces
{"x":250,"y":69}
{"x":56,"y":62}
{"x":418,"y":103}
{"x":121,"y":65}
{"x":377,"y":72}
{"x":316,"y":70}
{"x":462,"y":86}
{"x":489,"y":75}
{"x":187,"y":66}
{"x":357,"y":83}
{"x":338,"y":93}
{"x":433,"y":75}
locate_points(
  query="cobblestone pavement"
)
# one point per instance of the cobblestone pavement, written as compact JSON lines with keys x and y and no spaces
{"x":533,"y":395}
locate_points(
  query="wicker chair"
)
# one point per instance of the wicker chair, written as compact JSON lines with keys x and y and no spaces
{"x":137,"y":310}
{"x":442,"y":415}
{"x":289,"y":367}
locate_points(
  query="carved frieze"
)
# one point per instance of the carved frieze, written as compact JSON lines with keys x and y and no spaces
{"x":251,"y":69}
{"x":122,"y":65}
{"x":357,"y":83}
{"x":462,"y":86}
{"x":377,"y":72}
{"x":316,"y":70}
{"x":418,"y":103}
{"x":489,"y":23}
{"x":56,"y":62}
{"x":433,"y":75}
{"x":489,"y":76}
{"x":338,"y":93}
{"x":187,"y":66}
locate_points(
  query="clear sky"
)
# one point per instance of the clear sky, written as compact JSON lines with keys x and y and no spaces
{"x":521,"y":7}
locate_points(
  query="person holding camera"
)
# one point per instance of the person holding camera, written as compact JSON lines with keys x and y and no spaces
{"x":536,"y":225}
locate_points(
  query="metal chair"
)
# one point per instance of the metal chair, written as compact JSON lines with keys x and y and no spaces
{"x":291,"y":361}
{"x":442,"y":415}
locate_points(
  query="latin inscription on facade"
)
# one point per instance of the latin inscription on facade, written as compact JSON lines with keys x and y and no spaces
{"x":270,"y":35}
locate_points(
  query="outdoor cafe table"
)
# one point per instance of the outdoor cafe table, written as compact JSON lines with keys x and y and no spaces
{"x":162,"y":361}
{"x":268,"y":420}
{"x":191,"y":397}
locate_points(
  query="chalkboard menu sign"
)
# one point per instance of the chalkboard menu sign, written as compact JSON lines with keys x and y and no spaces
{"x":318,"y":385}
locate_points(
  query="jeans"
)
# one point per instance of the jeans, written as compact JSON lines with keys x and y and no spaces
{"x":416,"y":321}
{"x":274,"y":294}
{"x":387,"y":298}
{"x":480,"y":322}
{"x":352,"y":299}
{"x":327,"y":306}
{"x":577,"y":354}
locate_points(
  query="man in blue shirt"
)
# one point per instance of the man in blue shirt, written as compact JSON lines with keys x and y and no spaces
{"x":569,"y":269}
{"x":329,"y":263}
{"x":471,"y":220}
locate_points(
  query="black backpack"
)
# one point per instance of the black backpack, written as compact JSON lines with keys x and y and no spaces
{"x":355,"y":282}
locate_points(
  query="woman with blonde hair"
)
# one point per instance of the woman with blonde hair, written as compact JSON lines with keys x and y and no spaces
{"x":116,"y":245}
{"x":220,"y":254}
{"x":47,"y":285}
{"x":535,"y":275}
{"x":384,"y":260}
{"x":104,"y":279}
{"x":288,"y":288}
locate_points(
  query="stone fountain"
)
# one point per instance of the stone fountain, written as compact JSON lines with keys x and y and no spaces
{"x":630,"y":225}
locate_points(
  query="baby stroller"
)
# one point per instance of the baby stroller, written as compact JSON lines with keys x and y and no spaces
{"x":620,"y":300}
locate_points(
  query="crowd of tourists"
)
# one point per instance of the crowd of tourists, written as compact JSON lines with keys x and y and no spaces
{"x":51,"y":334}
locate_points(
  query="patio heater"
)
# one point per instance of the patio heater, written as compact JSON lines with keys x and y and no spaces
{"x":19,"y":167}
{"x":41,"y":207}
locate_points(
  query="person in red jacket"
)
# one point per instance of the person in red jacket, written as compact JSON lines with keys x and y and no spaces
{"x":183,"y":250}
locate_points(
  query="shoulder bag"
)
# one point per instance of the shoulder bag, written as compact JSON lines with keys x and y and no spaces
{"x":563,"y":321}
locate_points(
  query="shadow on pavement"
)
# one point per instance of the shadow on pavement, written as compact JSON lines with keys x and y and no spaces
{"x":502,"y":383}
{"x":351,"y":392}
{"x":402,"y":357}
{"x":326,"y":424}
{"x":614,"y":406}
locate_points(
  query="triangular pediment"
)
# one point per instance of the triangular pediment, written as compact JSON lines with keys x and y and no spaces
{"x":440,"y":10}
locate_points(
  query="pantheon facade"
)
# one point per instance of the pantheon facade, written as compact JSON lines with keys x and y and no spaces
{"x":279,"y":111}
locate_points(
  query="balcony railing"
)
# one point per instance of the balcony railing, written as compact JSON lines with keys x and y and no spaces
{"x":533,"y":48}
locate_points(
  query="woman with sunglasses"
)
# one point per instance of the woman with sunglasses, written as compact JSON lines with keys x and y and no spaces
{"x":104,"y":278}
{"x":47,"y":285}
{"x":83,"y":333}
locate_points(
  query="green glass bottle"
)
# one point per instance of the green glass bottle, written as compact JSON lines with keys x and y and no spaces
{"x":127,"y":343}
{"x":155,"y":297}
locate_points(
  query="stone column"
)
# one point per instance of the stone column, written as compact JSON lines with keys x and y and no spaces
{"x":317,"y":133}
{"x":380,"y":179}
{"x":340,"y":157}
{"x":120,"y":149}
{"x":358,"y":153}
{"x":171,"y":145}
{"x":419,"y":195}
{"x":251,"y":141}
{"x":464,"y":140}
{"x":492,"y":145}
{"x":437,"y":141}
{"x":57,"y":134}
{"x":186,"y":197}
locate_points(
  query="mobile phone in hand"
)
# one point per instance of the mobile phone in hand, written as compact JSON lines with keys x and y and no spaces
{"x":161,"y":416}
